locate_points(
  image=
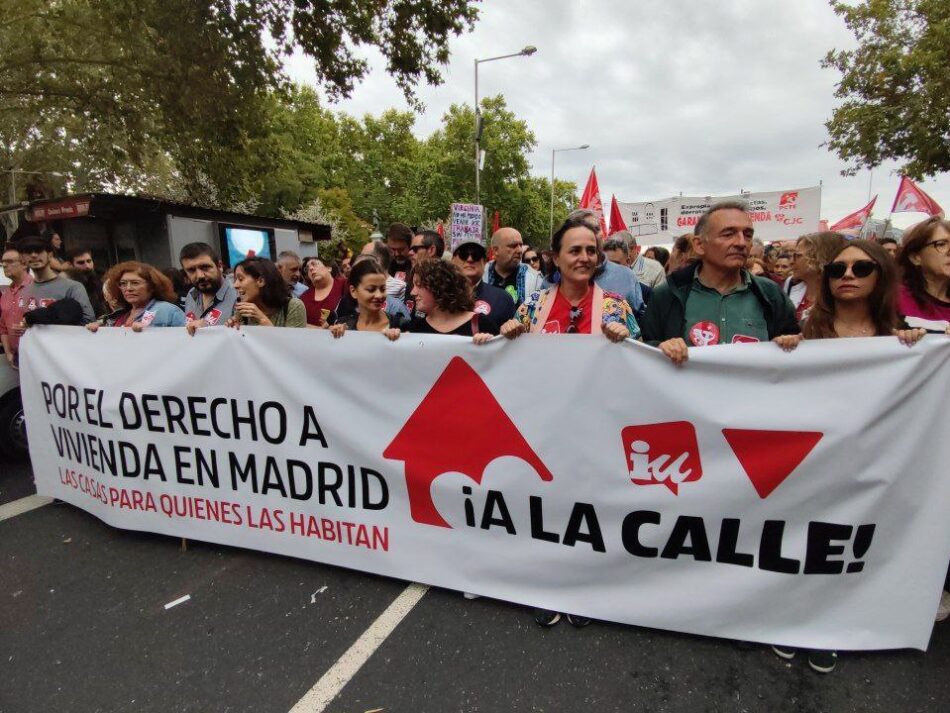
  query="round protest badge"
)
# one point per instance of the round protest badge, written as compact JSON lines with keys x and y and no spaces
{"x":704,"y":334}
{"x":482,"y":307}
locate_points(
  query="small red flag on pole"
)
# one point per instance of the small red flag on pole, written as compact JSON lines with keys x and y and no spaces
{"x":616,"y":219}
{"x":856,"y":219}
{"x":590,"y":199}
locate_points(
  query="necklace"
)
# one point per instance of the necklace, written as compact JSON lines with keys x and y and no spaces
{"x":854,"y":331}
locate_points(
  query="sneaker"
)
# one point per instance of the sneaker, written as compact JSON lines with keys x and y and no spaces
{"x":784,"y":652}
{"x":822,"y":661}
{"x":578,"y":621}
{"x":943,"y":611}
{"x":544,"y":617}
{"x":469,"y":595}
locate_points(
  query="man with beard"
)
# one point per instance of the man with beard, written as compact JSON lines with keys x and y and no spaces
{"x":399,"y":240}
{"x":469,"y":257}
{"x":83,"y":271}
{"x":48,"y":286}
{"x":716,"y":300}
{"x":211,"y":299}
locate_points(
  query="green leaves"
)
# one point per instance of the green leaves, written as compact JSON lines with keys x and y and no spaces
{"x":895,"y":87}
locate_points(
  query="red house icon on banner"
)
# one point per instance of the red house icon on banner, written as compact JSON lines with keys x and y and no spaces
{"x":459,"y":427}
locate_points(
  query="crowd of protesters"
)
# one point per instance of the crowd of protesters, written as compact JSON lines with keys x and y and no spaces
{"x":718,"y":285}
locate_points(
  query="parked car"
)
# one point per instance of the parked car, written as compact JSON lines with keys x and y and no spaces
{"x":12,"y":421}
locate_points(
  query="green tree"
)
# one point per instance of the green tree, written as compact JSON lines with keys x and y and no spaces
{"x":895,"y":86}
{"x":109,"y":87}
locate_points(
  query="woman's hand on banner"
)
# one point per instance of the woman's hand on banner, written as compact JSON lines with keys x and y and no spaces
{"x":788,"y":341}
{"x":675,"y":350}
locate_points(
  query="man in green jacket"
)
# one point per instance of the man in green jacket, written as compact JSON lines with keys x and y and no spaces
{"x":716,"y":300}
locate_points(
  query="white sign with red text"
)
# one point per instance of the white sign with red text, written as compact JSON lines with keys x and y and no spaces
{"x":750,"y":494}
{"x":776,"y":215}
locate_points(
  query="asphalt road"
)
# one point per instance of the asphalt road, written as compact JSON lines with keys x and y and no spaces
{"x":83,"y":627}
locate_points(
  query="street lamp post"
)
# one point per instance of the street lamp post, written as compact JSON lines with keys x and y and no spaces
{"x":554,"y":151}
{"x":526,"y":52}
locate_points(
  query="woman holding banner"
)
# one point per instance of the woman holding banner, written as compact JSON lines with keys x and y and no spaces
{"x":575,"y":305}
{"x":265,"y":299}
{"x":367,"y":282}
{"x":856,"y":298}
{"x":444,"y":296}
{"x":143,"y":297}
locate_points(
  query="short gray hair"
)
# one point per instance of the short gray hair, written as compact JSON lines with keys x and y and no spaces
{"x":617,"y":244}
{"x":722,"y":205}
{"x":627,"y":237}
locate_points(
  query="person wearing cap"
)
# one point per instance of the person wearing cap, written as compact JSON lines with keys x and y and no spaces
{"x":48,"y":285}
{"x":470,"y":257}
{"x":506,"y":271}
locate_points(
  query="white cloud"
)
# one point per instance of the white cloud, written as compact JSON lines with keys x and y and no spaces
{"x":672,"y":96}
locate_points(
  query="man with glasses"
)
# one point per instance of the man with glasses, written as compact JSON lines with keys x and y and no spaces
{"x":424,"y":246}
{"x":507,"y":272}
{"x":716,"y":300}
{"x":469,"y":257}
{"x":10,"y":312}
{"x":48,"y":285}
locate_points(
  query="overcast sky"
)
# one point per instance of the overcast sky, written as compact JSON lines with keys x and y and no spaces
{"x":703,"y":98}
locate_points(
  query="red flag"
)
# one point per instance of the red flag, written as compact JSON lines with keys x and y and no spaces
{"x":911,"y":199}
{"x":440,"y":229}
{"x":495,"y":223}
{"x":616,"y":220}
{"x":591,"y":199}
{"x":856,"y":219}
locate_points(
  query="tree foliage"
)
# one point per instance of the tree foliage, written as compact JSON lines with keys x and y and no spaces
{"x":895,"y":86}
{"x":116,"y":85}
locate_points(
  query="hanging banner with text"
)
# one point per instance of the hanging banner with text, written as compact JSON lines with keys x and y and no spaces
{"x":776,"y":215}
{"x":798,"y":499}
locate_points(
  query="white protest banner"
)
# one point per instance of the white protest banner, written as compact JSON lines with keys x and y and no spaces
{"x":776,"y":215}
{"x":793,"y":498}
{"x":466,"y":223}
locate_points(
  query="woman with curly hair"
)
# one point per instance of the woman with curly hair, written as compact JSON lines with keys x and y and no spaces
{"x":266,"y":299}
{"x":143,"y":296}
{"x":444,"y":296}
{"x":924,"y":260}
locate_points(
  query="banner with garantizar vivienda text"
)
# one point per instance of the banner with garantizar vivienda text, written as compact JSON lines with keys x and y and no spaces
{"x":752,"y":494}
{"x":776,"y":215}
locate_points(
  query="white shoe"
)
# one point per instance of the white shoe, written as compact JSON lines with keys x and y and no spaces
{"x":943,"y":611}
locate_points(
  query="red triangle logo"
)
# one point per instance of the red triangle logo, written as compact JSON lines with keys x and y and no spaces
{"x":769,"y":457}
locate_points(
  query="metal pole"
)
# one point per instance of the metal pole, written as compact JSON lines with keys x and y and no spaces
{"x":551,"y":221}
{"x":477,"y":141}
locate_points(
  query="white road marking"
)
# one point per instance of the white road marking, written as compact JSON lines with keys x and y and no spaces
{"x":18,"y":507}
{"x":332,"y":682}
{"x":180,"y":600}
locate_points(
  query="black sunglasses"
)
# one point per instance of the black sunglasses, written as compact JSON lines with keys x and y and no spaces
{"x":417,"y":248}
{"x":859,"y":268}
{"x":535,"y":258}
{"x":575,"y":314}
{"x":466,"y":253}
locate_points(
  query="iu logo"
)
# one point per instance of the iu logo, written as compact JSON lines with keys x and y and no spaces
{"x":459,"y":427}
{"x":662,"y":454}
{"x":788,"y":200}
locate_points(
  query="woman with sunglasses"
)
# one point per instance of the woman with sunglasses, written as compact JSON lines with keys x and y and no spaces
{"x":532,"y":258}
{"x":856,"y":298}
{"x":811,"y":253}
{"x":925,"y":270}
{"x":575,"y":305}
